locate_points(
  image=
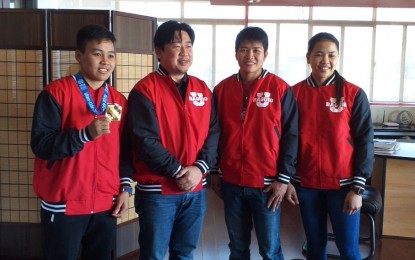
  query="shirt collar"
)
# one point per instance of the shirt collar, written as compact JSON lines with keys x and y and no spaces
{"x":163,"y":71}
{"x":262,"y":75}
{"x":329,"y":81}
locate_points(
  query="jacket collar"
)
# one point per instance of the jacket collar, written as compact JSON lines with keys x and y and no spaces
{"x":329,"y":81}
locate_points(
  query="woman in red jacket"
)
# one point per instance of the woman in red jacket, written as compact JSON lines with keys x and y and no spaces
{"x":335,"y":152}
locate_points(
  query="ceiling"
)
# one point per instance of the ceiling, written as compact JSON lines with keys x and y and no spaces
{"x":339,"y":3}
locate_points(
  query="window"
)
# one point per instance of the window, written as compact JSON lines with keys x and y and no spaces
{"x":376,"y":50}
{"x":203,"y":9}
{"x":279,"y":13}
{"x":357,"y":55}
{"x":92,"y":4}
{"x":343,"y":13}
{"x":409,"y":79}
{"x":292,"y":62}
{"x":202,"y":54}
{"x":226,"y":63}
{"x":395,"y":14}
{"x":155,"y":8}
{"x":387,"y":69}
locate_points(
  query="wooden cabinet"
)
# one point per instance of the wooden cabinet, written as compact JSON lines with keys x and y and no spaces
{"x":394,"y":176}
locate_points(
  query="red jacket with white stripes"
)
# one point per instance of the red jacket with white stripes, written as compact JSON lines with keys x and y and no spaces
{"x":71,"y":173}
{"x":165,"y":132}
{"x":336,"y":142}
{"x":262,"y":148}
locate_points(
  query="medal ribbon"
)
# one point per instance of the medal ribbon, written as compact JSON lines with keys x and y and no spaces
{"x":88,"y":99}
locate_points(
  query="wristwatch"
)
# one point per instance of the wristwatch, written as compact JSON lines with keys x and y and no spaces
{"x":127,"y":189}
{"x":357,"y":189}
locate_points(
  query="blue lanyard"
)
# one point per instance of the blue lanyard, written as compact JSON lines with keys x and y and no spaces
{"x":88,"y":99}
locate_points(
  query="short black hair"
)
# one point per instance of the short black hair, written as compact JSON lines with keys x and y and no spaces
{"x":165,"y":33}
{"x":252,"y":34}
{"x":90,"y":33}
{"x":323,"y":36}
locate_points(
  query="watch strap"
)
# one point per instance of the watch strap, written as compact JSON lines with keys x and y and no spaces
{"x":127,"y":189}
{"x":357,"y":190}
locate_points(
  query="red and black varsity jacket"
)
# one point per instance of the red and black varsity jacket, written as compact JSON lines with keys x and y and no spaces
{"x":165,"y":132}
{"x":73,"y":174}
{"x":262,"y":148}
{"x":336,"y":142}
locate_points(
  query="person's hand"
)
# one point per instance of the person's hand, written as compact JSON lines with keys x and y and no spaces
{"x":188,"y":178}
{"x":216,"y":184}
{"x":352,"y":203}
{"x":121,"y":206}
{"x":98,"y":127}
{"x":291,"y":195}
{"x":277,"y":191}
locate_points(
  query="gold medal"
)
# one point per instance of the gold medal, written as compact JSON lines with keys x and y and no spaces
{"x":113,"y":112}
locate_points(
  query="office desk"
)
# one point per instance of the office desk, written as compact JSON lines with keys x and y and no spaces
{"x":394,"y":176}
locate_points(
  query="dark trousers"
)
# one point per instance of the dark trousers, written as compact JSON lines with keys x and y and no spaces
{"x":65,"y":235}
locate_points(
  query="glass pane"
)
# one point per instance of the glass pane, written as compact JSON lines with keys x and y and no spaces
{"x":292,"y":64}
{"x":387,"y":71}
{"x":226,"y":63}
{"x":271,"y":30}
{"x":409,"y":80}
{"x":159,"y":9}
{"x":278,"y":12}
{"x":203,"y":10}
{"x":44,"y":4}
{"x":396,"y":14}
{"x":357,"y":56}
{"x":202,"y":54}
{"x":92,"y":4}
{"x":343,"y":13}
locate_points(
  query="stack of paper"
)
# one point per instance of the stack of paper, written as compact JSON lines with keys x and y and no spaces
{"x":387,"y":146}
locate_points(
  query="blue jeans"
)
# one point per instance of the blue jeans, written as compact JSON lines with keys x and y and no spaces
{"x":315,"y":206}
{"x":242,"y":207}
{"x":169,"y":221}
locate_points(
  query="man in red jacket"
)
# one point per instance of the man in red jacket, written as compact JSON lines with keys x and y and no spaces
{"x":76,"y":132}
{"x":258,"y":147}
{"x":171,"y":135}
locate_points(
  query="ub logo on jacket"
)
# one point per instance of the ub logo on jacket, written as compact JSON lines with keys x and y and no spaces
{"x":334,"y":107}
{"x":263,"y":99}
{"x":198,"y":99}
{"x":243,"y":161}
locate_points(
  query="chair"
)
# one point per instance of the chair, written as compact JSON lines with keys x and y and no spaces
{"x":371,"y":205}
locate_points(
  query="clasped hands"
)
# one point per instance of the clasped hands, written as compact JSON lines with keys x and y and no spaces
{"x":188,"y":178}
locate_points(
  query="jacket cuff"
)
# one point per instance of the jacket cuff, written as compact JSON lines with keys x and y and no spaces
{"x":203,"y":167}
{"x":283,"y":178}
{"x":359,"y":181}
{"x":125,"y":182}
{"x":177,"y":171}
{"x":84,"y":135}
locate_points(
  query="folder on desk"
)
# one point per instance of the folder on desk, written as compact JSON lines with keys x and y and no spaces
{"x":385,"y":145}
